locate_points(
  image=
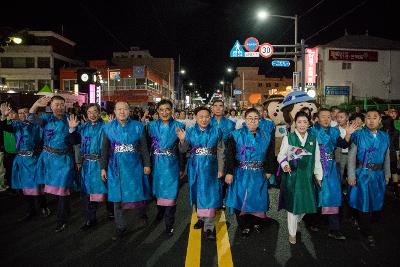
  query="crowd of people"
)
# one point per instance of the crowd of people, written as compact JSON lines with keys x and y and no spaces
{"x":133,"y":156}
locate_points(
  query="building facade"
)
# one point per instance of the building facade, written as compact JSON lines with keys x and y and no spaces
{"x":35,"y":63}
{"x":356,"y":67}
{"x":137,"y":85}
{"x":163,"y":68}
{"x":255,"y":87}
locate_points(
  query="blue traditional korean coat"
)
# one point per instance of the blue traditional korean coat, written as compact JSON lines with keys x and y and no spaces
{"x":204,"y":186}
{"x":249,"y":190}
{"x":368,"y":193}
{"x":330,"y":194}
{"x":165,"y":160}
{"x":55,"y":166}
{"x":226,"y":126}
{"x":126,"y":180}
{"x":90,"y":150}
{"x":27,"y":136}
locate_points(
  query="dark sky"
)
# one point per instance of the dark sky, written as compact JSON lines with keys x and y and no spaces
{"x":201,"y":32}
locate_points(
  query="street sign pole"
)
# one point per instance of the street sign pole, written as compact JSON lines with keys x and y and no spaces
{"x":303,"y":65}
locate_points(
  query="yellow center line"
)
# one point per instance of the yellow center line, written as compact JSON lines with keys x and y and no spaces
{"x":223,"y":245}
{"x":193,"y":252}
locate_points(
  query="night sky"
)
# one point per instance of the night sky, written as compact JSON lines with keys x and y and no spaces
{"x":201,"y":32}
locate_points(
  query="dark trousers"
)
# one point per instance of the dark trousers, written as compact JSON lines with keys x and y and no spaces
{"x":334,"y":223}
{"x":8,"y":163}
{"x":247,"y":220}
{"x":169,"y":214}
{"x":91,"y":209}
{"x":364,"y":221}
{"x":312,"y":219}
{"x":63,"y":209}
{"x":36,"y":203}
{"x":120,"y":221}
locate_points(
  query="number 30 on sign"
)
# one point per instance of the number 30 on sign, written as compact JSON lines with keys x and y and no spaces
{"x":266,"y":50}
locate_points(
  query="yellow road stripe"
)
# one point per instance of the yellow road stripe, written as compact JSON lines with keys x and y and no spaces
{"x":194,"y":244}
{"x":223,"y":245}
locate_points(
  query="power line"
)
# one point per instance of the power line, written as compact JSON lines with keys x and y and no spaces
{"x":336,"y":20}
{"x":301,"y":16}
{"x":312,"y":8}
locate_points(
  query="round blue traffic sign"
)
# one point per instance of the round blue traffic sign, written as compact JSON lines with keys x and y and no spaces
{"x":251,"y":44}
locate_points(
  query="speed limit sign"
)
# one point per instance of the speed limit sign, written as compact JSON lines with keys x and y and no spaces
{"x":266,"y":50}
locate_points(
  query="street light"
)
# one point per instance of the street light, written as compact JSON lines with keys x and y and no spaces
{"x":221,"y":82}
{"x":263,"y":15}
{"x":16,"y":40}
{"x":183,"y":71}
{"x":229,"y":69}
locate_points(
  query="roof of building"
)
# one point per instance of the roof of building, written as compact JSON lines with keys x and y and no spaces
{"x":52,"y":34}
{"x":363,"y":41}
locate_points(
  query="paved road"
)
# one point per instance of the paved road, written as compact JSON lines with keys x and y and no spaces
{"x":34,"y":243}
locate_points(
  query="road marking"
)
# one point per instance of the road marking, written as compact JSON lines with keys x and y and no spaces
{"x":223,"y":245}
{"x":193,"y":252}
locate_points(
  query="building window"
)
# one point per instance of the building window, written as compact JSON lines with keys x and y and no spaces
{"x":140,"y":83}
{"x":43,"y":62}
{"x":30,"y":62}
{"x":268,"y":84}
{"x":69,"y":84}
{"x":346,"y":66}
{"x":276,"y":84}
{"x":21,"y":85}
{"x":17,"y":62}
{"x":6,"y":62}
{"x":259,"y":84}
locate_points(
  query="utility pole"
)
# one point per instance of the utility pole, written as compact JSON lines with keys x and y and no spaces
{"x":303,"y":65}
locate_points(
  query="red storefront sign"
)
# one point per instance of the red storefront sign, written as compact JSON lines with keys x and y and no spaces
{"x":353,"y":55}
{"x":311,"y":65}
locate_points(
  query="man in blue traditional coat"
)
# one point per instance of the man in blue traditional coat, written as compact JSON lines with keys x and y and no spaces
{"x":218,"y":119}
{"x":55,"y":166}
{"x":165,"y":162}
{"x":368,"y":171}
{"x":330,"y":195}
{"x":205,"y":168}
{"x":227,"y":127}
{"x":250,"y":161}
{"x":125,"y":164}
{"x":90,"y":136}
{"x":27,"y":147}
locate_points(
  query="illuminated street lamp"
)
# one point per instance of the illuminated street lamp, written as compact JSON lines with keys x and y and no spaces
{"x":229,"y":69}
{"x":183,"y":71}
{"x":16,"y":40}
{"x":263,"y":15}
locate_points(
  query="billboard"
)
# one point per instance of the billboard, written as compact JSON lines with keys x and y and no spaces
{"x":311,"y":66}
